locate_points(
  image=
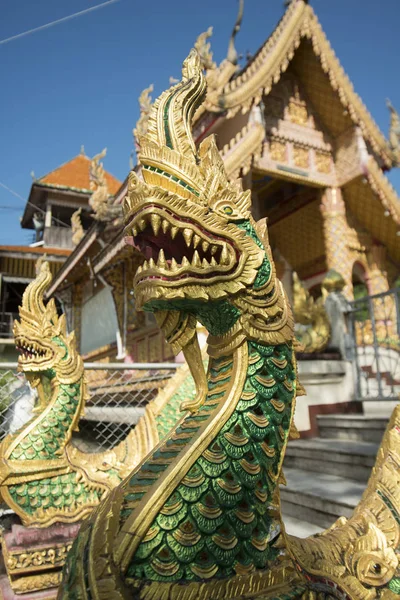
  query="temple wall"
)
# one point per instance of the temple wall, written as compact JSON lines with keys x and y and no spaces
{"x":99,"y":325}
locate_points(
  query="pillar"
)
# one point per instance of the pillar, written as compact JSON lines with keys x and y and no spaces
{"x":336,"y":234}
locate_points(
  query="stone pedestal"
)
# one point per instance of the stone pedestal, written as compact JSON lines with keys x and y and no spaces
{"x":33,"y":560}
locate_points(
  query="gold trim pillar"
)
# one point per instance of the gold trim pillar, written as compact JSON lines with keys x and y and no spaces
{"x":336,"y":231}
{"x":377,"y":276}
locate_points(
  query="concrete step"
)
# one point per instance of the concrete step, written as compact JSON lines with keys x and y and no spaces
{"x":300,"y":528}
{"x":319,"y":498}
{"x":346,"y":458}
{"x":352,"y":427}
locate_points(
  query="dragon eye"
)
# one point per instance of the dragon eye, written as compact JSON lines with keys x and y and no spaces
{"x":228,"y":210}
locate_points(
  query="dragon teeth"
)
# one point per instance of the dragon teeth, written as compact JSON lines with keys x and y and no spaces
{"x":185,"y":262}
{"x":196,"y":240}
{"x":155,"y":221}
{"x":174,"y":264}
{"x":174,"y":231}
{"x":204,"y":264}
{"x":152,"y":264}
{"x":142,"y":224}
{"x":196,"y":262}
{"x":213,"y":249}
{"x":224,"y":256}
{"x":165,"y":225}
{"x":139,"y":269}
{"x":134,"y":231}
{"x":187,"y":234}
{"x":161,"y":262}
{"x":205,"y":246}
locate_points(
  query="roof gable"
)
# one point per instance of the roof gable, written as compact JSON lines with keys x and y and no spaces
{"x":298,"y":24}
{"x":74,"y":174}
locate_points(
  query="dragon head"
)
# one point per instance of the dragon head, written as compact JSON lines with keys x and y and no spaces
{"x":40,"y":334}
{"x":202,"y":249}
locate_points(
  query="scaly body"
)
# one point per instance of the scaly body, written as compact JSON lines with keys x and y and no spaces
{"x":44,"y":477}
{"x":200,"y":518}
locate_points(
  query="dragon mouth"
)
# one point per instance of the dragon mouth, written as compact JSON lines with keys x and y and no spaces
{"x":30,"y":350}
{"x":177,"y":247}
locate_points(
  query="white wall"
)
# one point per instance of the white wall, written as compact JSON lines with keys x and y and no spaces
{"x":99,"y":321}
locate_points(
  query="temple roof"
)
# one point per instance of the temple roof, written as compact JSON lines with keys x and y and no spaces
{"x":71,"y":178}
{"x":74,"y":174}
{"x":298,"y":37}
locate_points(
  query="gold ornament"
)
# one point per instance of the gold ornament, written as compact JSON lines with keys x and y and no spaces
{"x":200,"y":516}
{"x":311,"y":315}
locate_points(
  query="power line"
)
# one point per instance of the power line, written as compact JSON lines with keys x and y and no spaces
{"x":62,"y":20}
{"x":37,"y":208}
{"x":3,"y":185}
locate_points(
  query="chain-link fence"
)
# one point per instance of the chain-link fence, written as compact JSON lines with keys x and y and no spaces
{"x":117,"y":396}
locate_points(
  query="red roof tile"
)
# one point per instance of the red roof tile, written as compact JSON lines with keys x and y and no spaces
{"x":75,"y":174}
{"x":36,"y":250}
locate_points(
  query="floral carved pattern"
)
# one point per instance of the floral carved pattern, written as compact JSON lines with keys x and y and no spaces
{"x":300,"y":157}
{"x":322,"y":162}
{"x":298,"y":112}
{"x":278,"y":151}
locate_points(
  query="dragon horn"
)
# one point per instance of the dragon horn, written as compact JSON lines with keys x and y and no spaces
{"x":32,"y":299}
{"x":167,"y":149}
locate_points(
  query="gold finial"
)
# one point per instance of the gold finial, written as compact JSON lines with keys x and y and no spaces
{"x":101,"y":200}
{"x":204,"y":49}
{"x":77,"y":229}
{"x":98,"y":199}
{"x":232,"y":55}
{"x":82,"y":153}
{"x":145,"y":103}
{"x":394,"y":131}
{"x":333,"y":282}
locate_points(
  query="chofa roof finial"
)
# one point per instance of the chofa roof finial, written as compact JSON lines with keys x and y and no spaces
{"x":394,"y":131}
{"x":232,"y":55}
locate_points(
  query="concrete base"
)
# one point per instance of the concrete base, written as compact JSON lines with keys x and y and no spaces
{"x":328,"y":385}
{"x":379,"y":408}
{"x":34,"y":559}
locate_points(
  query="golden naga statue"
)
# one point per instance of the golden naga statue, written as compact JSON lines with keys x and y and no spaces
{"x":44,"y":478}
{"x":200,"y":518}
{"x":311,"y":315}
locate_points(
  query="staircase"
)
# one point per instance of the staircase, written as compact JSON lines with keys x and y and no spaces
{"x":326,"y":476}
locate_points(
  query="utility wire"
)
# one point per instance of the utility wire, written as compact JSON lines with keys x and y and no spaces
{"x":3,"y":185}
{"x":62,"y":20}
{"x":37,"y":208}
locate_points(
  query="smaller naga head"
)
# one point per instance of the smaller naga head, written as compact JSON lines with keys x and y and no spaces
{"x":40,"y":335}
{"x":370,"y":558}
{"x":194,"y":227}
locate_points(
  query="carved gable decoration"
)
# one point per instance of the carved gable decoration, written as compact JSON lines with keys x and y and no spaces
{"x":295,"y":138}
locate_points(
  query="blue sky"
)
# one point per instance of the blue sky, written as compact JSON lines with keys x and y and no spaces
{"x":78,"y":82}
